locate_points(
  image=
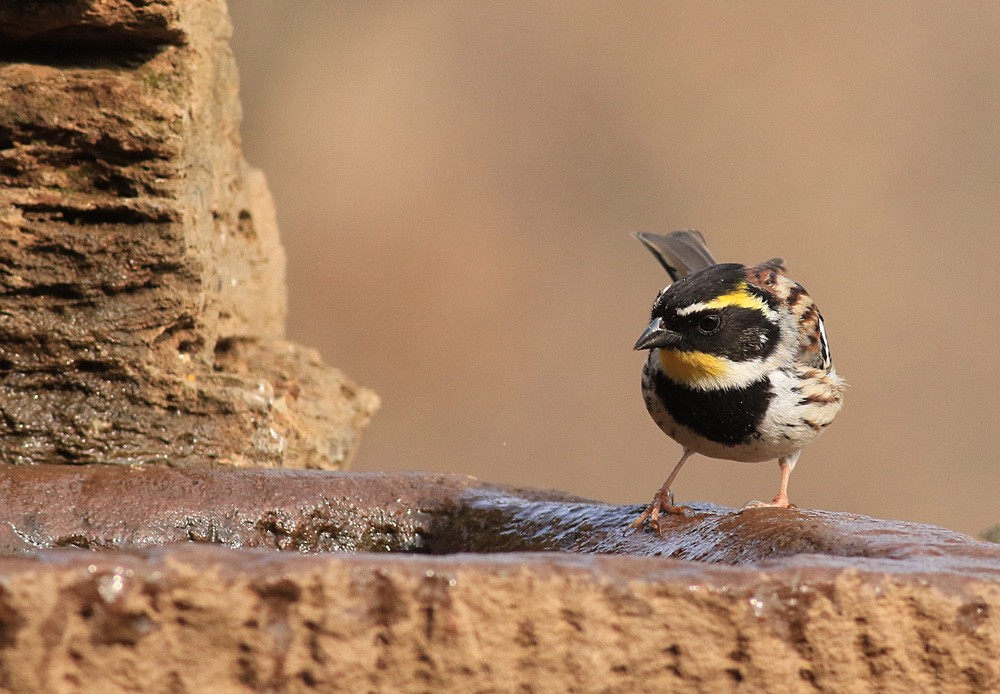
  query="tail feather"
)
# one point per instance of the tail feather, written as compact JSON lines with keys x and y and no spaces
{"x":679,"y":252}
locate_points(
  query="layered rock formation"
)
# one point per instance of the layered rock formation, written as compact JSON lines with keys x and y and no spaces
{"x":141,"y":274}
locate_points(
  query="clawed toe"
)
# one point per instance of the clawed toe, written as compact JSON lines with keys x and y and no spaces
{"x":663,"y":502}
{"x":778,"y":502}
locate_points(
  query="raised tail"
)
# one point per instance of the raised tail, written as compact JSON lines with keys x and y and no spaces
{"x":679,"y":252}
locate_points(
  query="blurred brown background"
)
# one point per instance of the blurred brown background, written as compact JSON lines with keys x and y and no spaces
{"x":456,"y":183}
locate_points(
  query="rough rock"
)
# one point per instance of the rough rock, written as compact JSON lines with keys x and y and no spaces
{"x":766,"y":600}
{"x":137,"y":249}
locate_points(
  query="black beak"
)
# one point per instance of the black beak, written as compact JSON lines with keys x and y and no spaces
{"x":657,"y":335}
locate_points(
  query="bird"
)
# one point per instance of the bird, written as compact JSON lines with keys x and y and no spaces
{"x":739,"y":365}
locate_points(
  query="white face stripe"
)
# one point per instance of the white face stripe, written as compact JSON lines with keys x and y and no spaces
{"x":693,"y":308}
{"x":738,"y":374}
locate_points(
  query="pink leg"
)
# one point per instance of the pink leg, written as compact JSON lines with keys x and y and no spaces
{"x":787,"y":464}
{"x":663,"y":501}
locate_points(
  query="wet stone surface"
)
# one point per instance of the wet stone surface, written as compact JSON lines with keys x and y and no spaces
{"x":115,"y":507}
{"x":123,"y":578}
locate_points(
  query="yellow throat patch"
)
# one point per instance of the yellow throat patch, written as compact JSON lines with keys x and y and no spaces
{"x":691,"y":367}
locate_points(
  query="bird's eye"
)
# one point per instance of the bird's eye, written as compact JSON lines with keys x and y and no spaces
{"x":709,"y":324}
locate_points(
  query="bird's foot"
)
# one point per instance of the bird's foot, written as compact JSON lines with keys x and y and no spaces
{"x":663,"y":502}
{"x":780,"y":501}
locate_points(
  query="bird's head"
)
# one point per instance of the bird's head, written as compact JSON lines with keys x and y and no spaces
{"x":714,"y":329}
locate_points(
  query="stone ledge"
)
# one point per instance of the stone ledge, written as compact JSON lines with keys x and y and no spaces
{"x":768,"y":600}
{"x":95,"y":23}
{"x":72,"y":620}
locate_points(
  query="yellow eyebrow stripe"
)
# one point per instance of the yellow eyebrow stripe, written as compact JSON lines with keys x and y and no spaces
{"x":738,"y":297}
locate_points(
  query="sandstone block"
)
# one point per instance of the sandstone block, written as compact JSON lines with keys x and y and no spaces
{"x":137,"y":249}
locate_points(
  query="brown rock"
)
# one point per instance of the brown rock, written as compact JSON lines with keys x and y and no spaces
{"x":773,"y":600}
{"x":138,"y":249}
